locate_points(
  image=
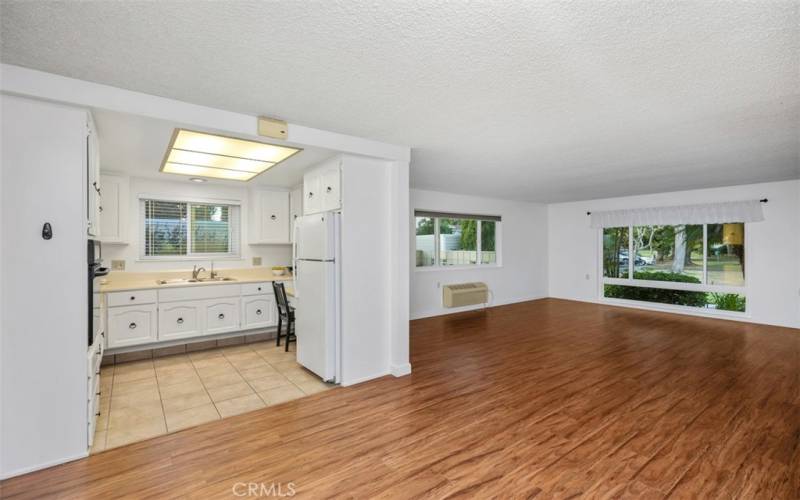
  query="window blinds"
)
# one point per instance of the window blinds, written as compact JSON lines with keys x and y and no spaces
{"x":448,"y":215}
{"x":707,"y":213}
{"x":177,"y":228}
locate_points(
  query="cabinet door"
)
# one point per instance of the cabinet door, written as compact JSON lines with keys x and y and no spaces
{"x":295,"y":209}
{"x":222,"y":315}
{"x":180,"y":320}
{"x":312,"y":198}
{"x":258,"y":311}
{"x":131,"y":325}
{"x":114,"y":214}
{"x":273,"y":217}
{"x":330,"y":189}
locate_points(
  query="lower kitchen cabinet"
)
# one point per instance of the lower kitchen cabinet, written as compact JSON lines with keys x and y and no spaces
{"x":132,"y":325}
{"x":222,"y":315}
{"x":259,"y":311}
{"x":180,"y":320}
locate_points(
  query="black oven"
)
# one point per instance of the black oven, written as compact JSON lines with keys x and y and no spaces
{"x":95,"y":271}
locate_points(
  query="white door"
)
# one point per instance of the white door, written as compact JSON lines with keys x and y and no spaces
{"x":274,"y":216}
{"x":312,"y":198}
{"x":222,"y":315}
{"x":258,"y":311}
{"x":131,"y":325}
{"x":314,"y":237}
{"x":315,"y":318}
{"x":330,"y":190}
{"x":180,"y":320}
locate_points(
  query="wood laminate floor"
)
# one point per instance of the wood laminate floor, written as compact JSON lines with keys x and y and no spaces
{"x":546,"y":399}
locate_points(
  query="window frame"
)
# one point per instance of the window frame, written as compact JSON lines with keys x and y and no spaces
{"x":672,"y":285}
{"x":437,"y":265}
{"x":234,"y":233}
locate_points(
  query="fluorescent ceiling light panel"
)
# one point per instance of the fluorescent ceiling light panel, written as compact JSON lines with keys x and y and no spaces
{"x":207,"y":155}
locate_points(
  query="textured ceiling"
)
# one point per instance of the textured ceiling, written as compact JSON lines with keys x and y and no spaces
{"x":527,"y":100}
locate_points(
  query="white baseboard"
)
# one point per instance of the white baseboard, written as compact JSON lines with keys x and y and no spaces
{"x":401,"y":370}
{"x":441,"y":311}
{"x":359,"y":380}
{"x":33,"y":468}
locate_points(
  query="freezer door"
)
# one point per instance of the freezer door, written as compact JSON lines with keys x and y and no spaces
{"x":315,"y":238}
{"x":316,"y":317}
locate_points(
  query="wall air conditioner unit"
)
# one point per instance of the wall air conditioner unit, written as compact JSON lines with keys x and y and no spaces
{"x":465,"y":294}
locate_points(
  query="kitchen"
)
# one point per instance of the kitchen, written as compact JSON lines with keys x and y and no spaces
{"x":186,"y":346}
{"x":202,"y":242}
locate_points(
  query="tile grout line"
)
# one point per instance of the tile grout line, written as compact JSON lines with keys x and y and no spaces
{"x":205,"y":389}
{"x":282,"y":374}
{"x":243,"y":378}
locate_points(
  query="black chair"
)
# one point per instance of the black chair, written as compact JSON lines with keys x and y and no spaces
{"x":285,"y":313}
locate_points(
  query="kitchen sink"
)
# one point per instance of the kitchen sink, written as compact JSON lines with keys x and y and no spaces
{"x":179,"y":281}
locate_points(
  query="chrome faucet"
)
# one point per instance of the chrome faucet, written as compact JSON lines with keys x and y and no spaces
{"x":213,"y":272}
{"x":196,"y":272}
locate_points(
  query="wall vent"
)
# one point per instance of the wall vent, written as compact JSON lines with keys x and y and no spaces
{"x":465,"y":294}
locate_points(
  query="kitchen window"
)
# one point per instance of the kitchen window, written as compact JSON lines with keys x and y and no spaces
{"x":447,"y":240}
{"x":188,"y":229}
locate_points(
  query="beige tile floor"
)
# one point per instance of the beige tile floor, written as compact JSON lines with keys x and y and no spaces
{"x":144,"y":399}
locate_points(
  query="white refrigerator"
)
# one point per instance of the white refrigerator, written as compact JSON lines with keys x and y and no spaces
{"x":316,"y":291}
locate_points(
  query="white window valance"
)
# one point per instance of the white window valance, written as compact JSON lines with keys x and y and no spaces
{"x":707,"y":213}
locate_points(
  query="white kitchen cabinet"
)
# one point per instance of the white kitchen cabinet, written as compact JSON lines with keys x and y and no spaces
{"x":180,"y":320}
{"x":132,"y":325}
{"x":322,"y":188}
{"x":269,"y":217}
{"x":114,"y":193}
{"x":295,"y":209}
{"x":331,"y":189}
{"x":222,"y":315}
{"x":259,"y":311}
{"x":93,"y":199}
{"x":312,"y":200}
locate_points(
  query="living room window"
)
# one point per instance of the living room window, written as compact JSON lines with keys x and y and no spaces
{"x":447,"y":240}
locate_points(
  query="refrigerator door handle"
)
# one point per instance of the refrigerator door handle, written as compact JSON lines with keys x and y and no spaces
{"x":295,"y":233}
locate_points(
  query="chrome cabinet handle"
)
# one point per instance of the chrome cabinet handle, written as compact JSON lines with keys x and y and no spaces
{"x":258,"y":311}
{"x":329,"y":189}
{"x":221,"y":316}
{"x":310,"y":194}
{"x":180,"y":321}
{"x":259,"y":289}
{"x":133,"y":297}
{"x":132,"y":326}
{"x":273,"y":217}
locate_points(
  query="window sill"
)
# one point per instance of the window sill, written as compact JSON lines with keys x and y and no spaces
{"x":692,"y":311}
{"x":428,"y":269}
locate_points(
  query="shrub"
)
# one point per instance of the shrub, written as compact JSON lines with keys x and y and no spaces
{"x":729,"y":301}
{"x":659,"y":295}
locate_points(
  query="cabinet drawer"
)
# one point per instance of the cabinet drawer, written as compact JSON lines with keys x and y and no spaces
{"x":257,"y":288}
{"x":133,"y":297}
{"x":178,"y":320}
{"x":131,"y":325}
{"x":258,"y":312}
{"x":222,"y":315}
{"x":198,"y":292}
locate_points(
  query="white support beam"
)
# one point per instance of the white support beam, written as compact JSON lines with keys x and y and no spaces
{"x":26,"y":82}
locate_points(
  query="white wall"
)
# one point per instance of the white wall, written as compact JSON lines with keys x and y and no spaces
{"x":271,"y":255}
{"x":772,"y":246}
{"x":523,"y":272}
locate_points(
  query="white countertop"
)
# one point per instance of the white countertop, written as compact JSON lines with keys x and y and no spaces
{"x":120,"y":280}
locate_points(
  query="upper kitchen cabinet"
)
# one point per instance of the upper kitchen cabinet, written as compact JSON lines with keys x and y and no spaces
{"x":114,"y":215}
{"x":94,"y":204}
{"x":269,"y":222}
{"x":322,"y":188}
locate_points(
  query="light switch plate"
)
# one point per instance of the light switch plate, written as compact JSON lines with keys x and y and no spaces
{"x":256,"y":261}
{"x":117,"y":265}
